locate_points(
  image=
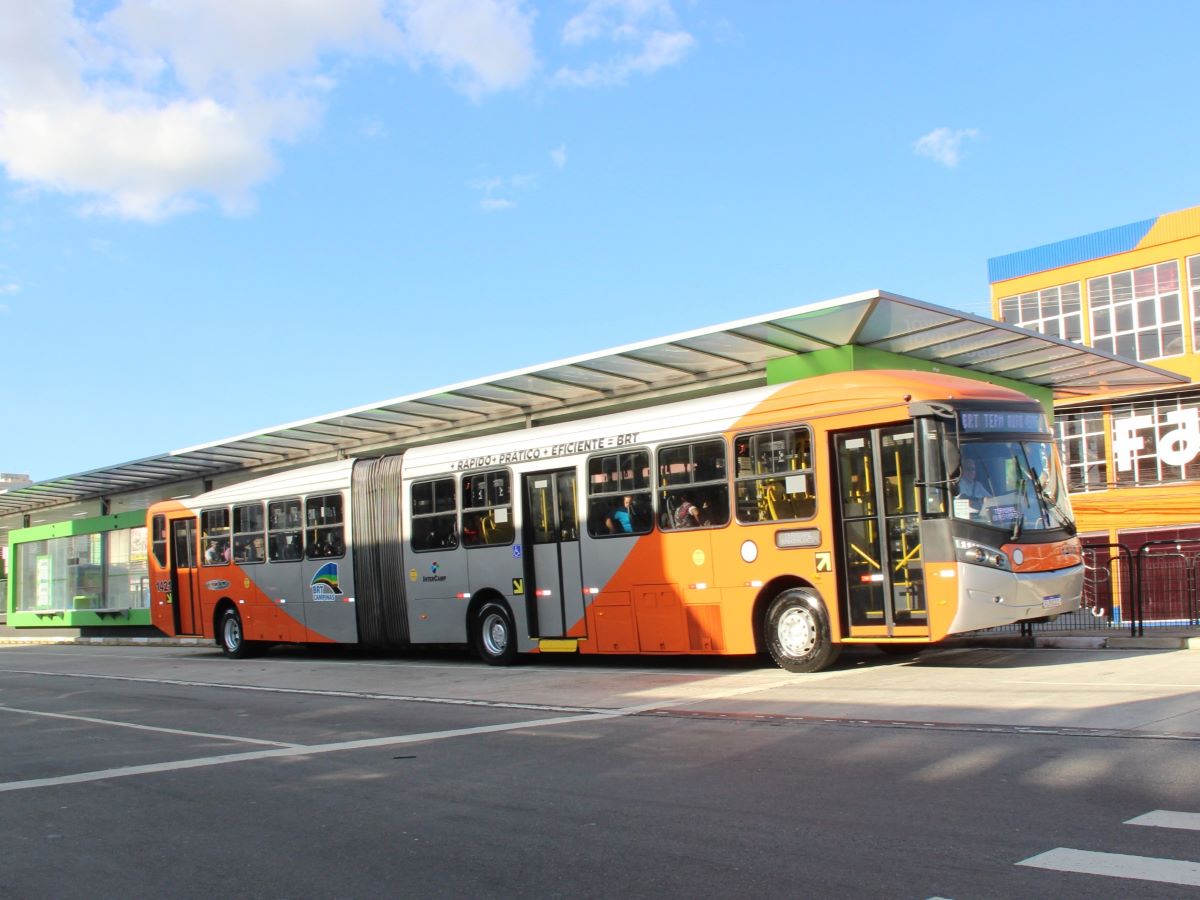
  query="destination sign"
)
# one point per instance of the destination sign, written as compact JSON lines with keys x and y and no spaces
{"x":977,"y":420}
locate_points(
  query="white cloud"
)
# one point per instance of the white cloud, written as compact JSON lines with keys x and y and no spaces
{"x":487,"y":44}
{"x":154,"y":108}
{"x":498,"y":191}
{"x":644,"y":32}
{"x":558,"y":156}
{"x":9,"y":288}
{"x":944,"y":145}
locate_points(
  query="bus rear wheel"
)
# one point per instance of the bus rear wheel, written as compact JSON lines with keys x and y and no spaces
{"x":797,"y":632}
{"x":232,"y":637}
{"x":493,"y":635}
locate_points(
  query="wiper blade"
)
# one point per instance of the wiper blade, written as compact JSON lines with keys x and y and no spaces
{"x":1045,"y":504}
{"x":1019,"y":521}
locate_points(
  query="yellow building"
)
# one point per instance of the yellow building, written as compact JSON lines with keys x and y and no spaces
{"x":1134,"y":459}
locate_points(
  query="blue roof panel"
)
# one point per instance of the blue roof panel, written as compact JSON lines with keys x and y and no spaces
{"x":1068,"y":252}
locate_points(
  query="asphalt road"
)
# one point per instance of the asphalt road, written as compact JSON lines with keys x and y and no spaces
{"x":172,"y":772}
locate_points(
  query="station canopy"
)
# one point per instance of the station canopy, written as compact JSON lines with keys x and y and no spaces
{"x":707,"y":360}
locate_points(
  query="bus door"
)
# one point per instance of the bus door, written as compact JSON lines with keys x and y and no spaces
{"x":185,"y":577}
{"x":553,"y":570}
{"x":882,"y":576}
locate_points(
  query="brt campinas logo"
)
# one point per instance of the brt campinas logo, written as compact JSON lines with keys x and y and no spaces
{"x":325,"y":583}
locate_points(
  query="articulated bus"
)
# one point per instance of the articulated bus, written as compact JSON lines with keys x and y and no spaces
{"x":791,"y":520}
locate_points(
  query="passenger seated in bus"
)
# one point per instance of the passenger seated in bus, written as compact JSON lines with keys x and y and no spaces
{"x":687,"y":515}
{"x":620,"y":521}
{"x":244,"y":551}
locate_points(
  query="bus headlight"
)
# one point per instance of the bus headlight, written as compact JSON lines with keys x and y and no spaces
{"x":981,"y":555}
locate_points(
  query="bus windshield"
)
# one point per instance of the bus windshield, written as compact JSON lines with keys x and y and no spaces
{"x":1016,"y":485}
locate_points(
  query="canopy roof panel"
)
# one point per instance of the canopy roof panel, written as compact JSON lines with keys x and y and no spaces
{"x":716,"y":358}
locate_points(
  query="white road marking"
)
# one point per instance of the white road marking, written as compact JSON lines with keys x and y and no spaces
{"x":365,"y":743}
{"x":1164,"y":818}
{"x":1117,"y":865}
{"x":351,"y":695}
{"x":591,"y":715}
{"x":199,"y":734}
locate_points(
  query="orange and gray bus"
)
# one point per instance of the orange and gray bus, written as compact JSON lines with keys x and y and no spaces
{"x":890,"y":508}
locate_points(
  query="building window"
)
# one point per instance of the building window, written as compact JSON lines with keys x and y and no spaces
{"x":1081,"y":444}
{"x":1054,"y":311}
{"x":1137,"y":313}
{"x":1194,"y":283}
{"x":127,"y":581}
{"x":100,"y":571}
{"x":619,"y":498}
{"x":433,"y":515}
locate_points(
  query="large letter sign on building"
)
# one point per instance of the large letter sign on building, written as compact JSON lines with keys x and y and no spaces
{"x":1126,"y":440}
{"x":1180,"y":446}
{"x":1177,"y":447}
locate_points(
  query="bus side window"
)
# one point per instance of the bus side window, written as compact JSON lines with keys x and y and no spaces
{"x":773,"y":476}
{"x":619,"y":496}
{"x":325,"y":536}
{"x":693,"y":485}
{"x":284,"y":542}
{"x":158,"y":540}
{"x":248,"y":542}
{"x":434,"y":515}
{"x":214,"y":536}
{"x":487,"y":509}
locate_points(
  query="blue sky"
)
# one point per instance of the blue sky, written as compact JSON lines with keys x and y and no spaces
{"x":217,"y":216}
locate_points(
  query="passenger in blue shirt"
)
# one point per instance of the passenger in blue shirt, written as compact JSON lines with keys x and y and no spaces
{"x":621,"y":521}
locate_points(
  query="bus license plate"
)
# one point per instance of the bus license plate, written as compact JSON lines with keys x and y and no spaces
{"x":1054,"y":600}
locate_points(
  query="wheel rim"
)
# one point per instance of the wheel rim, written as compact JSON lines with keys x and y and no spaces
{"x":495,"y":634}
{"x":797,"y":632}
{"x":233,"y":632}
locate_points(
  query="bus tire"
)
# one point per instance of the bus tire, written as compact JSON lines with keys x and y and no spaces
{"x":797,"y":634}
{"x":232,"y":636}
{"x":493,"y":634}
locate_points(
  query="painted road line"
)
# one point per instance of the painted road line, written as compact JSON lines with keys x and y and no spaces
{"x":1117,"y":865}
{"x":311,"y":692}
{"x":361,"y":744}
{"x":179,"y":731}
{"x":1164,"y":818}
{"x":284,"y":752}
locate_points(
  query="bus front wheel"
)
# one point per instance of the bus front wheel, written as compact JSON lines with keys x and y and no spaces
{"x":233,"y":638}
{"x":797,"y":632}
{"x":494,"y":637}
